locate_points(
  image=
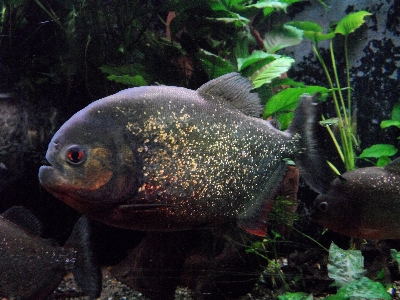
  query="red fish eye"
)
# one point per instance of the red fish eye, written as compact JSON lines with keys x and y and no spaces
{"x":75,"y":155}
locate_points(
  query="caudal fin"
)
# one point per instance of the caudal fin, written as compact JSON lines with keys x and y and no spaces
{"x":86,"y":271}
{"x":310,"y":160}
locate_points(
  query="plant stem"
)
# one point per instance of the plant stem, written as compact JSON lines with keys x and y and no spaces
{"x":344,"y":125}
{"x":335,"y":142}
{"x":346,"y":55}
{"x":50,"y":12}
{"x":335,"y":101}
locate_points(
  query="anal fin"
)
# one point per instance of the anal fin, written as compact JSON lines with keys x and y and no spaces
{"x":254,"y":219}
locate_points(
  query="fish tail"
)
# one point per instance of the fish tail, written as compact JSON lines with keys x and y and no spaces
{"x":86,"y":271}
{"x":309,"y":159}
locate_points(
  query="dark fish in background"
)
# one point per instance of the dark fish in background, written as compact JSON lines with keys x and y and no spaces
{"x":170,"y":158}
{"x":31,"y":268}
{"x":363,"y":203}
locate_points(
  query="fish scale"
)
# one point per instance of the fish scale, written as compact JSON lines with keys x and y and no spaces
{"x":176,"y":159}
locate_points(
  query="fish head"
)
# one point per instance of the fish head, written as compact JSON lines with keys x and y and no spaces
{"x":336,"y":210}
{"x":90,"y":166}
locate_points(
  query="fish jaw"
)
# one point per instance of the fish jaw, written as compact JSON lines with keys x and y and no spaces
{"x":55,"y":183}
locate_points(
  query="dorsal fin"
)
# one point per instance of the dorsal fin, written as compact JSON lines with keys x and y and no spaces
{"x":394,"y":166}
{"x":25,"y":219}
{"x":235,"y":89}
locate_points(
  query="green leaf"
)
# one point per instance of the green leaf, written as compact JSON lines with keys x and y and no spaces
{"x":272,"y":70}
{"x":276,"y":4}
{"x":330,"y":121}
{"x":214,"y":65}
{"x":312,"y":31}
{"x":388,"y":123}
{"x":236,"y":19}
{"x":277,"y":82}
{"x":284,"y":118}
{"x":284,"y":36}
{"x":306,"y":26}
{"x":363,"y":288}
{"x":255,"y":56}
{"x":287,"y":99}
{"x":351,"y":22}
{"x":383,"y":161}
{"x":379,"y":150}
{"x":345,"y":266}
{"x":128,"y":80}
{"x":267,"y":11}
{"x":295,"y":296}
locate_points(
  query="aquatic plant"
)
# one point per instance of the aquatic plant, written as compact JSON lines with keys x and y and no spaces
{"x":346,"y":267}
{"x":382,"y":152}
{"x":343,"y":107}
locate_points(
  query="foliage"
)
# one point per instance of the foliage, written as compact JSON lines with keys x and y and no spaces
{"x":382,"y":152}
{"x":295,"y":296}
{"x":363,"y":288}
{"x":345,"y":266}
{"x":343,"y":107}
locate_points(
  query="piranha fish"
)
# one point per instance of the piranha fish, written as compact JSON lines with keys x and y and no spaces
{"x":31,"y":268}
{"x":363,"y":203}
{"x":161,"y":158}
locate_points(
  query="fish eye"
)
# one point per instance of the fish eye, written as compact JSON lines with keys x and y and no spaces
{"x":323,"y":206}
{"x":76,"y":155}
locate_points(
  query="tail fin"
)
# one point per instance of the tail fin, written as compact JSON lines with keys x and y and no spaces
{"x":86,"y":271}
{"x":310,"y":161}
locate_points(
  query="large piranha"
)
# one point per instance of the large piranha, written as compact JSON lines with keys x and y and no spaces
{"x":160,"y":158}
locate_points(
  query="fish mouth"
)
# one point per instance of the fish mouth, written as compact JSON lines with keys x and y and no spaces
{"x":50,"y":176}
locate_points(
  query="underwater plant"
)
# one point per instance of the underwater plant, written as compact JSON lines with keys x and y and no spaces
{"x":343,"y":107}
{"x":382,"y":152}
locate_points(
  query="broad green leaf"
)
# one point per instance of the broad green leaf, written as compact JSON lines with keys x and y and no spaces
{"x":217,"y":6}
{"x":351,"y":22}
{"x":295,"y":296}
{"x":255,"y":56}
{"x":306,"y":26}
{"x":267,"y":11}
{"x":345,"y":266}
{"x":284,"y":118}
{"x":379,"y":150}
{"x":214,"y":65}
{"x":383,"y":161}
{"x":241,"y":48}
{"x":282,"y":37}
{"x":387,"y":123}
{"x":272,"y":70}
{"x":288,"y":99}
{"x":317,"y":37}
{"x":128,"y":80}
{"x":276,"y":4}
{"x":312,"y":31}
{"x":363,"y":288}
{"x":277,"y":82}
{"x":237,"y":19}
